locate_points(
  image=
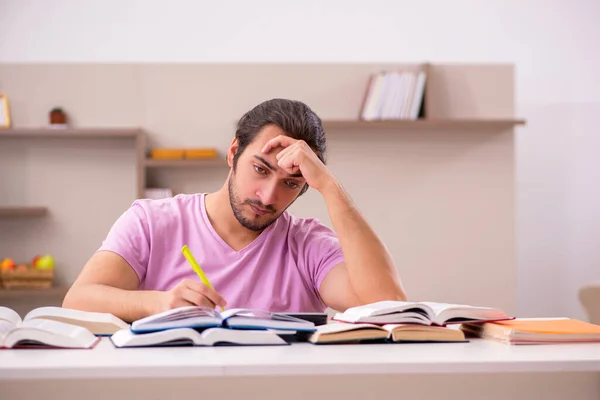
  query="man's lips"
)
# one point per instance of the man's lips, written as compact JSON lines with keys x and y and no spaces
{"x":258,"y":210}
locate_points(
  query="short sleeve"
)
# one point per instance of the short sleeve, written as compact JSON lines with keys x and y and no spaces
{"x":320,"y":249}
{"x":129,"y":237}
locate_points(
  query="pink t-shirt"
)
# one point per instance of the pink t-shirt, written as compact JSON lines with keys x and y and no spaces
{"x":281,"y":270}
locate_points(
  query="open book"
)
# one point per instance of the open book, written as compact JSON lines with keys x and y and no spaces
{"x":191,"y":337}
{"x":424,"y":313}
{"x":198,"y":317}
{"x":38,"y":332}
{"x":341,"y":332}
{"x":97,"y":323}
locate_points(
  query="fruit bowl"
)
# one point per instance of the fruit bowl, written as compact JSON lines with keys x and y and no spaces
{"x":38,"y":274}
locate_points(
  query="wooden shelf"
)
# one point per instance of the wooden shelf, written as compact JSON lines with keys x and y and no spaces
{"x":424,"y":124}
{"x":22,"y":212}
{"x":185,"y":163}
{"x":8,"y":294}
{"x":70,"y":133}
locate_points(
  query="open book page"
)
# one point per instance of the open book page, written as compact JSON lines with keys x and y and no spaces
{"x":9,"y":315}
{"x":456,"y":313}
{"x":9,"y":320}
{"x":182,"y":317}
{"x":49,"y":333}
{"x":380,"y":308}
{"x":98,"y":323}
{"x":240,"y":318}
{"x":425,"y":313}
{"x":384,"y":312}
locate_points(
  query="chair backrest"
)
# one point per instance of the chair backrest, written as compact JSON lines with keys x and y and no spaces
{"x":589,"y":297}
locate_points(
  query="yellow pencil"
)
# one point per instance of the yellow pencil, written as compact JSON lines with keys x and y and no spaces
{"x":196,"y":267}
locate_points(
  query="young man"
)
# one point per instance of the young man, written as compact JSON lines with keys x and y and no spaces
{"x":255,"y":254}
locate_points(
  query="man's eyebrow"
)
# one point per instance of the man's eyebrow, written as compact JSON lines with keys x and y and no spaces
{"x":272,"y":168}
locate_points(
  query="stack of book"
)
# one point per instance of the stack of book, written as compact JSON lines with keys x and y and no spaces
{"x":535,"y":331}
{"x":400,"y":321}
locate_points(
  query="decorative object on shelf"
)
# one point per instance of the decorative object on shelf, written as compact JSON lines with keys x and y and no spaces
{"x":180,"y":154}
{"x":38,"y":274}
{"x":58,"y":118}
{"x":4,"y":112}
{"x":166,"y":154}
{"x":202,"y":153}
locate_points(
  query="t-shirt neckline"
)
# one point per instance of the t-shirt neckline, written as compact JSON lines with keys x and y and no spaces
{"x":256,"y":242}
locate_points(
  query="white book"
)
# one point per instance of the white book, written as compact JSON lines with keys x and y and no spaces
{"x":39,"y":332}
{"x":371,"y":108}
{"x":393,"y":95}
{"x":418,"y":94}
{"x":96,"y":322}
{"x":425,"y":313}
{"x":192,"y":337}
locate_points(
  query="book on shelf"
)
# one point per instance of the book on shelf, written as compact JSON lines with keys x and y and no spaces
{"x":341,"y":332}
{"x":534,"y":331}
{"x":393,"y":95}
{"x":423,"y":313}
{"x":198,"y":317}
{"x":193,"y":337}
{"x":103,"y":324}
{"x":42,"y":333}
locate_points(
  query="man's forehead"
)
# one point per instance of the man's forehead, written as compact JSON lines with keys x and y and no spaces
{"x":267,"y":133}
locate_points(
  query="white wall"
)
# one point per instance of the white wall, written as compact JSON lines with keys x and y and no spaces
{"x":553,"y":44}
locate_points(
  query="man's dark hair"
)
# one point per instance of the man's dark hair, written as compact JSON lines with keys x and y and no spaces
{"x":295,"y":118}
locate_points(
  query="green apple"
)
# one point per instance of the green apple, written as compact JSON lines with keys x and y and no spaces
{"x":45,"y":262}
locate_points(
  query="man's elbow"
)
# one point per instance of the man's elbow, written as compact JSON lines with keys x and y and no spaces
{"x":73,"y":298}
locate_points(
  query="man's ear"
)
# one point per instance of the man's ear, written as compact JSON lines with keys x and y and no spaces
{"x":233,"y":149}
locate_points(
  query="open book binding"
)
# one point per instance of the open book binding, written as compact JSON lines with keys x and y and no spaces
{"x":198,"y":317}
{"x":423,"y":313}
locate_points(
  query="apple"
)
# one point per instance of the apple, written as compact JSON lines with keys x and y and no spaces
{"x":7,"y":264}
{"x":35,"y":260}
{"x":21,"y":267}
{"x":45,"y":262}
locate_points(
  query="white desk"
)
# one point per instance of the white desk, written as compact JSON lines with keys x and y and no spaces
{"x":301,"y":370}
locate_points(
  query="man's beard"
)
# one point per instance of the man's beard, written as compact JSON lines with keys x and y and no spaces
{"x":237,"y":206}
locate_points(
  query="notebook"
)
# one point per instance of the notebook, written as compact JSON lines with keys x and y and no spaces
{"x":340,"y":332}
{"x":96,"y":322}
{"x":15,"y":333}
{"x":535,"y":331}
{"x":192,"y":337}
{"x":198,"y":317}
{"x":424,"y":313}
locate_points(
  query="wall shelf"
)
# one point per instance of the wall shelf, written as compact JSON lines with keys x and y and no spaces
{"x":71,"y":133}
{"x":185,"y":163}
{"x":424,"y":124}
{"x":22,"y":212}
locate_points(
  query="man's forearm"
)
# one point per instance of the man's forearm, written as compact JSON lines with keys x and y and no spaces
{"x":128,"y":305}
{"x":371,"y":269}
